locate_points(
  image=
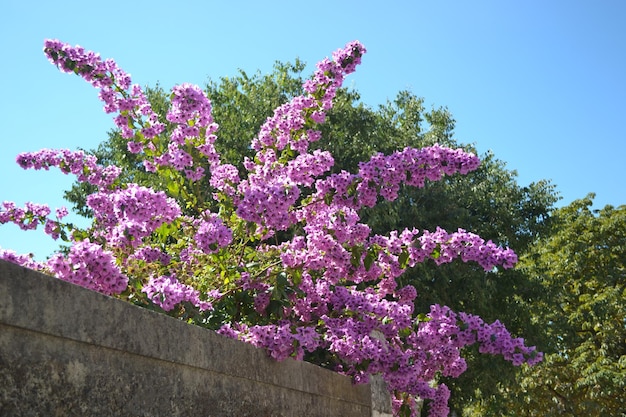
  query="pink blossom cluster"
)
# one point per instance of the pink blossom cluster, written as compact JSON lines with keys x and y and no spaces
{"x":330,"y":74}
{"x":495,"y":339}
{"x":84,"y":167}
{"x":114,"y":85}
{"x":224,"y":179}
{"x":212,"y":234}
{"x":443,"y":247}
{"x":371,"y":334}
{"x":151,"y":254}
{"x":167,"y":292}
{"x":288,"y":125}
{"x":32,"y":216}
{"x":25,"y":260}
{"x":436,"y":406}
{"x":328,"y":245}
{"x":190,"y":113}
{"x":27,"y":218}
{"x":383,"y":175}
{"x":91,"y":266}
{"x":279,"y":339}
{"x":329,"y":249}
{"x":272,"y":187}
{"x":126,"y":216}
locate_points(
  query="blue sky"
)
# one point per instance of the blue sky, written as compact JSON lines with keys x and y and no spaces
{"x":540,"y":83}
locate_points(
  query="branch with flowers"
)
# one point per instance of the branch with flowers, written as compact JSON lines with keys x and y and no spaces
{"x":276,"y":255}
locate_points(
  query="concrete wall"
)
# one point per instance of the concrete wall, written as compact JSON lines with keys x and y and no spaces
{"x":67,"y":351}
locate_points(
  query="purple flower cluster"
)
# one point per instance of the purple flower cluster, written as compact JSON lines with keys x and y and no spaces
{"x":91,"y":266}
{"x":383,"y":174}
{"x":126,"y":216}
{"x":32,"y":216}
{"x":27,"y":218}
{"x":272,"y":187}
{"x":365,"y":327}
{"x":224,"y":178}
{"x":167,"y":292}
{"x":384,"y":258}
{"x":443,"y":247}
{"x":24,"y":260}
{"x":212,"y":234}
{"x":84,"y":166}
{"x":287,"y":127}
{"x":152,"y":255}
{"x":330,"y":74}
{"x":279,"y":339}
{"x":495,"y":339}
{"x":190,"y":113}
{"x":114,"y":85}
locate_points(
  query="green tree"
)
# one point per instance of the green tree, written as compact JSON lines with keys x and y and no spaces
{"x":581,"y":271}
{"x":488,"y":201}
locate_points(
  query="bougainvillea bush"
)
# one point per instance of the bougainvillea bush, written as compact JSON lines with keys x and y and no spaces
{"x":274,"y":255}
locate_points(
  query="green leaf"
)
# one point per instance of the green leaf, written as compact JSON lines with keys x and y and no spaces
{"x":329,"y":196}
{"x":368,"y":261}
{"x":403,"y":259}
{"x":71,"y":65}
{"x":296,"y":276}
{"x":173,"y":188}
{"x":422,"y":318}
{"x":357,"y":252}
{"x":406,"y":332}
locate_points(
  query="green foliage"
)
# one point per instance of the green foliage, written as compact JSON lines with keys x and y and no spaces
{"x":581,"y":271}
{"x":488,"y":201}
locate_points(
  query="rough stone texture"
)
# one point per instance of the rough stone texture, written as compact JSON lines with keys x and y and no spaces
{"x":68,"y":351}
{"x":381,"y":403}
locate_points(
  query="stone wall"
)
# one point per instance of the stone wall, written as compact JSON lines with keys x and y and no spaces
{"x":68,"y":351}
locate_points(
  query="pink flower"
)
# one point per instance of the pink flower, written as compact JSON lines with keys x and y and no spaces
{"x":91,"y":266}
{"x":212,"y":234}
{"x":125,"y":217}
{"x":167,"y":292}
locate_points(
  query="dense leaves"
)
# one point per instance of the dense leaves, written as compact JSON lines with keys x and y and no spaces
{"x":581,"y":271}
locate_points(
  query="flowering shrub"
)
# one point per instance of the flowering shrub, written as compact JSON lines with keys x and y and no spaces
{"x":275,"y":255}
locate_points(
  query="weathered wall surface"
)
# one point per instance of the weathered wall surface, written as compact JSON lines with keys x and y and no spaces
{"x":67,"y":351}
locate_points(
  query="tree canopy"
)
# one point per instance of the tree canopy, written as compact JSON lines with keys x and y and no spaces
{"x":488,"y":201}
{"x":581,"y":271}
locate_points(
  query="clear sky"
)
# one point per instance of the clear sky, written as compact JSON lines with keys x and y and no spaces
{"x":540,"y":83}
